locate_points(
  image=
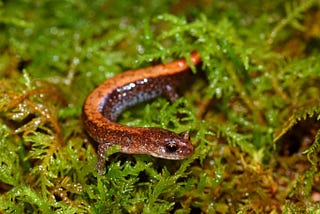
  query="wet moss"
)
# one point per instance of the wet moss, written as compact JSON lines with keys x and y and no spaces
{"x":252,"y":107}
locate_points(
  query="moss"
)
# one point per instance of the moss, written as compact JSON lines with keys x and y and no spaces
{"x":252,"y":107}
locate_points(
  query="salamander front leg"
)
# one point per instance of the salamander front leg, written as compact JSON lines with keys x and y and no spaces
{"x":171,"y":93}
{"x":100,"y":166}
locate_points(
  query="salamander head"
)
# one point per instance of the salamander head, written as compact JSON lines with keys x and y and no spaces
{"x":168,"y":145}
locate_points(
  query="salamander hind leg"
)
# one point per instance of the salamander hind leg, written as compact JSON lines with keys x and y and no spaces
{"x":100,"y":166}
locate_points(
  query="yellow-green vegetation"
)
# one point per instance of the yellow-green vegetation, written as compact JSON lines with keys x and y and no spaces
{"x":252,"y":107}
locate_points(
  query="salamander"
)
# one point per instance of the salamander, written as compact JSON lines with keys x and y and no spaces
{"x":106,"y":102}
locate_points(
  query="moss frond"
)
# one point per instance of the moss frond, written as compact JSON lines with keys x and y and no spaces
{"x":311,"y":109}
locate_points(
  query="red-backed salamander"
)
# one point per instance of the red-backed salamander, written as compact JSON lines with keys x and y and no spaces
{"x":108,"y":100}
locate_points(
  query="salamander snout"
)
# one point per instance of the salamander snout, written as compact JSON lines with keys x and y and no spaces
{"x":176,"y":147}
{"x":168,"y":145}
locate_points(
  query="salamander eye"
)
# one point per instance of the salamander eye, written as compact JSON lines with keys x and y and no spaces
{"x":171,"y":146}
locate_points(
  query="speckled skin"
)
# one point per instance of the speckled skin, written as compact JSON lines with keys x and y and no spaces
{"x":108,"y":100}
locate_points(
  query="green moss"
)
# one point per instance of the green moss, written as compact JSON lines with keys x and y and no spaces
{"x":252,"y":106}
